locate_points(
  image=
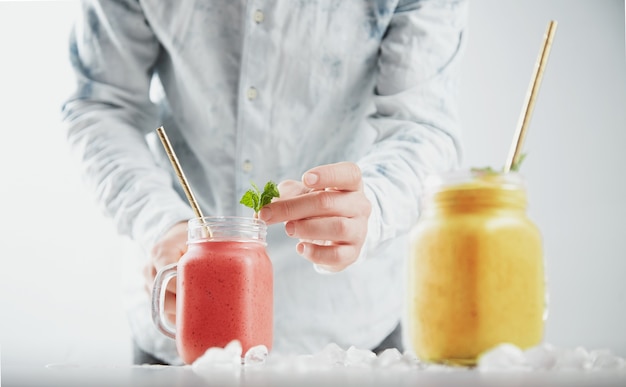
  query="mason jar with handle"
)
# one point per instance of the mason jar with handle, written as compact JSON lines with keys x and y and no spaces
{"x":475,"y":270}
{"x":224,"y":287}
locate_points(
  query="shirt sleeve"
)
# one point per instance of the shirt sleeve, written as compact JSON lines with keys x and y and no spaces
{"x":113,"y":51}
{"x":416,"y":119}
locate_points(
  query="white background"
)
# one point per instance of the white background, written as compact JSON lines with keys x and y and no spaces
{"x":61,"y":261}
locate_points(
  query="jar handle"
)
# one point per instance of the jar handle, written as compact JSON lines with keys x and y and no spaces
{"x":163,"y":277}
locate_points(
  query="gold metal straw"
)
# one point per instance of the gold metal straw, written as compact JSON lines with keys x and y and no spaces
{"x":181,"y":175}
{"x":522,"y":126}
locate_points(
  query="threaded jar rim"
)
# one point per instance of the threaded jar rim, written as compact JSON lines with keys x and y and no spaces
{"x":213,"y":228}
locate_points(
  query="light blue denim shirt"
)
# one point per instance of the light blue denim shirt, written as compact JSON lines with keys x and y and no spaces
{"x":264,"y":90}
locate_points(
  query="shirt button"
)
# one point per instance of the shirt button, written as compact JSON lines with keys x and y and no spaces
{"x":247,"y":166}
{"x":259,"y":16}
{"x":252,"y":93}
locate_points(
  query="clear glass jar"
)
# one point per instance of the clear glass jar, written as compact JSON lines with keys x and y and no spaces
{"x":224,"y":287}
{"x":476,"y":270}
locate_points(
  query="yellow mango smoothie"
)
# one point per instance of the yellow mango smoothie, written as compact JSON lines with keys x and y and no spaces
{"x":476,"y":270}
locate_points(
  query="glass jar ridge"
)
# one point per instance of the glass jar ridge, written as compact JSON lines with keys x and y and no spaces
{"x":474,"y":190}
{"x":211,"y":228}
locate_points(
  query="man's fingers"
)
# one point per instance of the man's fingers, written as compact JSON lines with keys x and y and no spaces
{"x":169,"y":306}
{"x":149,"y":274}
{"x":316,"y":204}
{"x":332,"y":258}
{"x":336,"y":229}
{"x":343,"y":176}
{"x":167,"y":251}
{"x":291,"y":188}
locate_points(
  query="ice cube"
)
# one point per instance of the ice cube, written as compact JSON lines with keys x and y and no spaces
{"x":435,"y":367}
{"x":576,"y":359}
{"x":332,"y":355}
{"x":503,"y":357}
{"x":541,"y":357}
{"x":256,"y":355}
{"x":234,"y":348}
{"x":230,"y":355}
{"x":356,"y":357}
{"x":410,"y":359}
{"x":390,"y":357}
{"x":604,"y":359}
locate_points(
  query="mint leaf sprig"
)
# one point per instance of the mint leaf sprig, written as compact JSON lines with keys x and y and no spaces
{"x":490,"y":171}
{"x":256,"y":199}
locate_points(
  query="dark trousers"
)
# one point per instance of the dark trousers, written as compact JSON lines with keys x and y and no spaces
{"x":394,"y":340}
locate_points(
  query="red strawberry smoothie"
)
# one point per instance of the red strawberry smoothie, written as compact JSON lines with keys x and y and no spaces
{"x":224,"y":292}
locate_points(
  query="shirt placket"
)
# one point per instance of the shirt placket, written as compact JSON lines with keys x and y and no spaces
{"x":252,"y":98}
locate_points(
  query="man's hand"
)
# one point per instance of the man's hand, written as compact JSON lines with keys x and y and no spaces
{"x":167,"y":250}
{"x":327,"y":211}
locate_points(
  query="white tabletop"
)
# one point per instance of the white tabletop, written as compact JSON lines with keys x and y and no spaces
{"x":504,"y":365}
{"x":154,"y":376}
